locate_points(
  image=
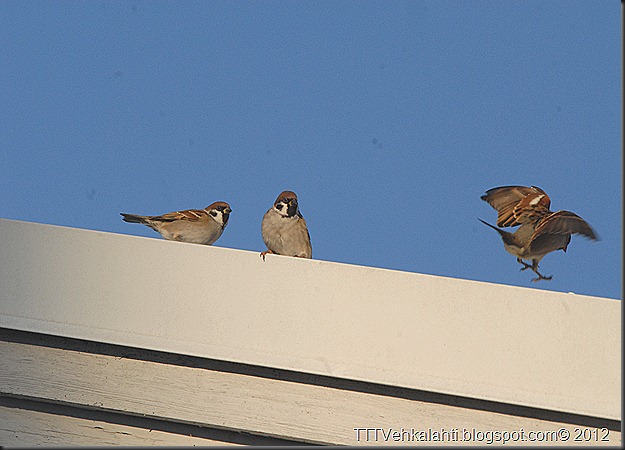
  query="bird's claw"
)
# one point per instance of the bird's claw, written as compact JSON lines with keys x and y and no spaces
{"x":541,"y":277}
{"x":524,"y":264}
{"x":262,"y":254}
{"x":534,"y":267}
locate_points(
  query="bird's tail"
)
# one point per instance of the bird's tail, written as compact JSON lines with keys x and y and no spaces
{"x":492,"y":226}
{"x":133,"y":218}
{"x":508,"y":238}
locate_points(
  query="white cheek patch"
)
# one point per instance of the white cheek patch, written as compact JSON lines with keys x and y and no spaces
{"x":284,"y":211}
{"x":219,"y":218}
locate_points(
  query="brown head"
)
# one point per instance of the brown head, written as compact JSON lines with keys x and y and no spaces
{"x":220,"y":212}
{"x":286,"y":204}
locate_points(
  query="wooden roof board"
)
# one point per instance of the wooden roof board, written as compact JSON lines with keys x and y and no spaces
{"x":516,"y":345}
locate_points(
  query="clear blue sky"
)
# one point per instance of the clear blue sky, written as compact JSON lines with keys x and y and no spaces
{"x":389,"y":119}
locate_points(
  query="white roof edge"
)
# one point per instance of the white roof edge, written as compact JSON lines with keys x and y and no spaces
{"x":509,"y":344}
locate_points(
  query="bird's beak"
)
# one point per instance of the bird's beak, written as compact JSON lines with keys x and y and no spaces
{"x":292,"y":208}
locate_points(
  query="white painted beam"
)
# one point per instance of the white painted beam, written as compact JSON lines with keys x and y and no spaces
{"x":259,"y":406}
{"x":25,"y":428}
{"x":515,"y":345}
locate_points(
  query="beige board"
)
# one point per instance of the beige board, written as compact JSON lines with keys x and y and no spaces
{"x":265,"y":407}
{"x":514,"y":345}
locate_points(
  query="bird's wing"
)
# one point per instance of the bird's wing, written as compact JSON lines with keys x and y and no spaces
{"x":299,"y":214}
{"x":564,"y":222}
{"x":516,"y":205}
{"x":555,"y":230}
{"x":189,"y":214}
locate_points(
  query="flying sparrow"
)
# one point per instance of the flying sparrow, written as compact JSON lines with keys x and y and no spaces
{"x":541,"y":231}
{"x":284,"y":229}
{"x":198,"y":226}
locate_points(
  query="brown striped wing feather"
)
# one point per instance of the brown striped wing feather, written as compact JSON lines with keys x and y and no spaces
{"x":554,"y":232}
{"x":189,"y":214}
{"x":516,"y":205}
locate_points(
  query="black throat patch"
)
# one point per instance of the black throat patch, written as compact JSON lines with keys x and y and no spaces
{"x":291,"y":209}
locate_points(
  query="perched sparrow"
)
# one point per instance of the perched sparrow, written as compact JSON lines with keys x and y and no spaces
{"x":198,"y":226}
{"x":284,"y":229}
{"x":542,"y":231}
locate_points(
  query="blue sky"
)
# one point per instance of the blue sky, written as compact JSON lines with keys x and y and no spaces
{"x":389,"y":119}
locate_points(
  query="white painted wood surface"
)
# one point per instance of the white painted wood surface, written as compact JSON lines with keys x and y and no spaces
{"x":308,"y":413}
{"x":25,"y":428}
{"x":508,"y":344}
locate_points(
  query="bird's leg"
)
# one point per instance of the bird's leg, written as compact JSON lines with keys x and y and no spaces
{"x":534,"y":267}
{"x":262,"y":254}
{"x":525,"y":265}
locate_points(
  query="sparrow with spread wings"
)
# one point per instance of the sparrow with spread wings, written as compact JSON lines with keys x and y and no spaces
{"x":541,"y":230}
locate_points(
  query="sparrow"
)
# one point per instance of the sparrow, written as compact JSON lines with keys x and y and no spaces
{"x":284,"y":229}
{"x":541,"y":230}
{"x":197,"y":226}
